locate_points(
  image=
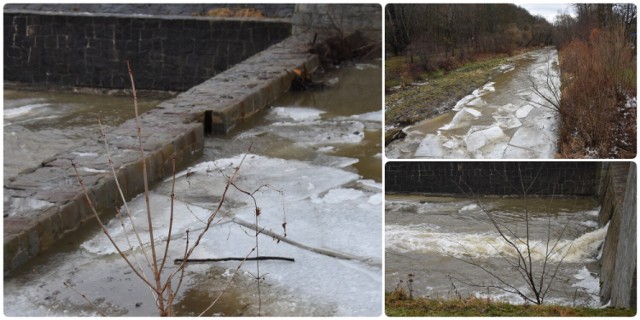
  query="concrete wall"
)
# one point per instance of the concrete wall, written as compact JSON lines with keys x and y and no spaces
{"x":333,"y":19}
{"x":619,"y":256}
{"x":495,"y":178}
{"x":166,"y":53}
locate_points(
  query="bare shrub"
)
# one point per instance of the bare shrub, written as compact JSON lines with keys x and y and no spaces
{"x":148,"y":261}
{"x":537,"y":276}
{"x":599,"y":77}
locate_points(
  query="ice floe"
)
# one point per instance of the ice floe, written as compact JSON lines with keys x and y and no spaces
{"x":23,"y":110}
{"x":297,"y":113}
{"x":479,"y":137}
{"x":320,"y":210}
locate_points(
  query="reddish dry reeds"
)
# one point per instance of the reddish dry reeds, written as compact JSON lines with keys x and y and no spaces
{"x":597,"y":112}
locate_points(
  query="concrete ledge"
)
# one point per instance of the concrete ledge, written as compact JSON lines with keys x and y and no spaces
{"x":52,"y":202}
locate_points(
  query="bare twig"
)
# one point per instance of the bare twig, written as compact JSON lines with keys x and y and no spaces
{"x":85,"y":298}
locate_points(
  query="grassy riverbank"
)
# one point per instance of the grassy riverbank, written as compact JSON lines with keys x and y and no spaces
{"x":412,"y":103}
{"x":412,"y":96}
{"x":398,"y":305}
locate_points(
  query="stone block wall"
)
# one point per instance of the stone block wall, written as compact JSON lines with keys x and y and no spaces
{"x":166,"y":53}
{"x":281,"y":10}
{"x":492,"y":178}
{"x":332,"y":19}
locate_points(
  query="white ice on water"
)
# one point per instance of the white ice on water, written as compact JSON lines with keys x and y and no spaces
{"x":462,"y":118}
{"x":430,"y":147}
{"x":304,"y":126}
{"x":324,"y":207}
{"x":23,"y":110}
{"x":479,"y":137}
{"x":587,"y":281}
{"x":297,"y":113}
{"x":525,"y":128}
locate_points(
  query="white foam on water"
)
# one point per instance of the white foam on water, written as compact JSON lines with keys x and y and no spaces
{"x":589,"y":224}
{"x":489,"y":245}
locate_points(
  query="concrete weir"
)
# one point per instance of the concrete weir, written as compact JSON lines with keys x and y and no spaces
{"x":42,"y":205}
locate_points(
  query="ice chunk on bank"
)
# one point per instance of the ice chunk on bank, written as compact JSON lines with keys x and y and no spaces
{"x":462,"y":118}
{"x":430,"y":147}
{"x":462,"y":102}
{"x":531,"y":141}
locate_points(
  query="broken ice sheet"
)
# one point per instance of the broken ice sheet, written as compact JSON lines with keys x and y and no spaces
{"x":478,"y":137}
{"x":430,"y":147}
{"x":320,"y":132}
{"x":295,"y":113}
{"x":462,"y":118}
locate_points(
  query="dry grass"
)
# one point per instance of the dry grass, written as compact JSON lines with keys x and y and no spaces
{"x":397,"y":304}
{"x":598,"y":78}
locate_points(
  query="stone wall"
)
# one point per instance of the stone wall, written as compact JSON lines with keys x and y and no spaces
{"x":619,"y":256}
{"x":281,"y":10}
{"x":166,"y":53}
{"x":492,"y":178}
{"x":334,"y":19}
{"x":175,"y":128}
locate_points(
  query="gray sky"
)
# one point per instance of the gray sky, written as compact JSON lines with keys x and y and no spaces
{"x":548,"y":10}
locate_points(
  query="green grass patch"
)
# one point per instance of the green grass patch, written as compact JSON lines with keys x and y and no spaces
{"x":399,"y":305}
{"x":415,"y":103}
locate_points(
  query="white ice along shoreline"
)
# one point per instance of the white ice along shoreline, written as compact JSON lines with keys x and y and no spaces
{"x":325,"y":208}
{"x":532,"y":118}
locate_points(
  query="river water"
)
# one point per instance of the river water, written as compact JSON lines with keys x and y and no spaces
{"x":319,"y":154}
{"x":442,"y":241}
{"x":505,"y":118}
{"x":38,"y":125}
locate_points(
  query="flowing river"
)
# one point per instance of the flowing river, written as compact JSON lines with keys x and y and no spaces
{"x":446,"y":242}
{"x":508,"y":118}
{"x":317,"y":155}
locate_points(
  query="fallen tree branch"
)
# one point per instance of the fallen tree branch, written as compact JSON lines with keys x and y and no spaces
{"x":177,"y":261}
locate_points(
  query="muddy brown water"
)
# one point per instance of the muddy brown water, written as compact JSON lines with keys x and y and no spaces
{"x":357,"y":91}
{"x":435,"y":238}
{"x":40,"y":124}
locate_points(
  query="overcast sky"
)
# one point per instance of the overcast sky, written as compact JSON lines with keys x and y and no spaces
{"x":548,"y":10}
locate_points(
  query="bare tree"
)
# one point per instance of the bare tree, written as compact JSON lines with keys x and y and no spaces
{"x":538,"y":277}
{"x":164,"y":285}
{"x":549,"y":89}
